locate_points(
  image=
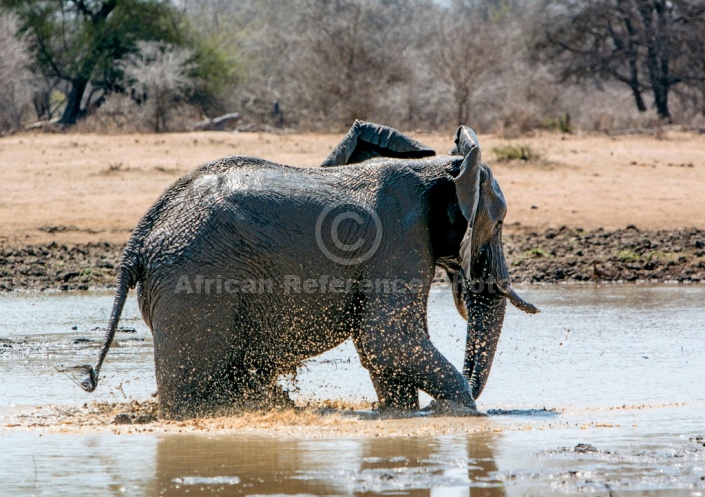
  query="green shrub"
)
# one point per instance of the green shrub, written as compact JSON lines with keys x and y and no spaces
{"x":511,"y":152}
{"x":538,"y":252}
{"x":628,"y":256}
{"x":560,"y":123}
{"x":659,"y":254}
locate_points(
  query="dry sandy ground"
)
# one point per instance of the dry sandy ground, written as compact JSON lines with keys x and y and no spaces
{"x":88,"y":188}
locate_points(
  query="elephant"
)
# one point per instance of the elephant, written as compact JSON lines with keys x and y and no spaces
{"x":245,"y":268}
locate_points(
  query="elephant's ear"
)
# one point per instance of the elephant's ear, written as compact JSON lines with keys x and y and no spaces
{"x":467,"y":188}
{"x":367,"y":140}
{"x":452,"y":268}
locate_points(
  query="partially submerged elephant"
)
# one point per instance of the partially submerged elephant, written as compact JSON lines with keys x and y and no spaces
{"x":245,"y":268}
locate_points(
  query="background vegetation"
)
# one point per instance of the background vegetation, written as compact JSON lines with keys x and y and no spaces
{"x":506,"y":66}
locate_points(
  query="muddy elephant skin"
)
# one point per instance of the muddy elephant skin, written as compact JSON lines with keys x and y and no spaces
{"x":245,"y":268}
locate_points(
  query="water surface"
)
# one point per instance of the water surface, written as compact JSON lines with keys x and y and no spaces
{"x":619,"y":370}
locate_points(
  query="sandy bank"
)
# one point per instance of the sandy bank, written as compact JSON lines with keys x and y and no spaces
{"x":95,"y":188}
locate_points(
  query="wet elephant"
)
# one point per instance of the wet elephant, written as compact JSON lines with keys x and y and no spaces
{"x":245,"y":268}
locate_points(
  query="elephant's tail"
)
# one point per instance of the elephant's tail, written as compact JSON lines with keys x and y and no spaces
{"x":126,"y":280}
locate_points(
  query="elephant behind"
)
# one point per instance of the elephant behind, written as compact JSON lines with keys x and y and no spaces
{"x":245,"y":268}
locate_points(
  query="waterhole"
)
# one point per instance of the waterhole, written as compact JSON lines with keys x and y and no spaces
{"x":601,"y":393}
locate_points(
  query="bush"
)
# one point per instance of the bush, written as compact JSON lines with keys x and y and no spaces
{"x":159,"y":80}
{"x":16,"y":79}
{"x":511,"y":152}
{"x":122,"y":114}
{"x":560,"y":123}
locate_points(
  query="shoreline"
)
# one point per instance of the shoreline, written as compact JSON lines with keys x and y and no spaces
{"x":563,"y":255}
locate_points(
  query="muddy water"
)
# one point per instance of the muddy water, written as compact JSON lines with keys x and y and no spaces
{"x":602,"y":392}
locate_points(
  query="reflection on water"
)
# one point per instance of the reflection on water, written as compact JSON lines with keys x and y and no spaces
{"x":618,"y":367}
{"x":518,"y":463}
{"x":199,"y":466}
{"x":193,"y":465}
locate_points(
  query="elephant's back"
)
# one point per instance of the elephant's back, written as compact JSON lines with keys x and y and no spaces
{"x":239,"y":208}
{"x":235,"y":206}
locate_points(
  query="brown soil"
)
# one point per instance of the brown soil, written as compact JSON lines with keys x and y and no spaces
{"x":550,"y":256}
{"x":71,"y":201}
{"x":628,"y":255}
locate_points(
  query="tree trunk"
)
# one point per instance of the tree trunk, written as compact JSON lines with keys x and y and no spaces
{"x":461,"y":103}
{"x":73,"y":101}
{"x":657,"y":53}
{"x":661,"y":101}
{"x":631,"y":53}
{"x":636,"y":91}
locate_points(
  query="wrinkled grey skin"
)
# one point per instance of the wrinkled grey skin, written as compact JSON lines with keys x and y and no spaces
{"x":241,"y":219}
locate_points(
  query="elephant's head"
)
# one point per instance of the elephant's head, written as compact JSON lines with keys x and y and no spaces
{"x":480,"y":277}
{"x":466,"y":233}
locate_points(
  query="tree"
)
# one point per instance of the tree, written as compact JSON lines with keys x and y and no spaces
{"x":353,"y":46}
{"x":80,"y":42}
{"x":462,"y":51}
{"x":217,"y":31}
{"x":647,"y":45}
{"x":485,"y":10}
{"x":15,"y":75}
{"x":159,"y":77}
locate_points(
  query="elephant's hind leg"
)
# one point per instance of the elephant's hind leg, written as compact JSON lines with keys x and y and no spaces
{"x":194,"y":360}
{"x":256,"y":383}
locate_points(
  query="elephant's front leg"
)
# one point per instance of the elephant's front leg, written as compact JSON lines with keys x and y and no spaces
{"x":394,"y":391}
{"x":395,"y":348}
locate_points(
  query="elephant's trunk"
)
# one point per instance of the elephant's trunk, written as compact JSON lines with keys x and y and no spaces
{"x":486,"y":300}
{"x":506,"y":289}
{"x":485,"y":319}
